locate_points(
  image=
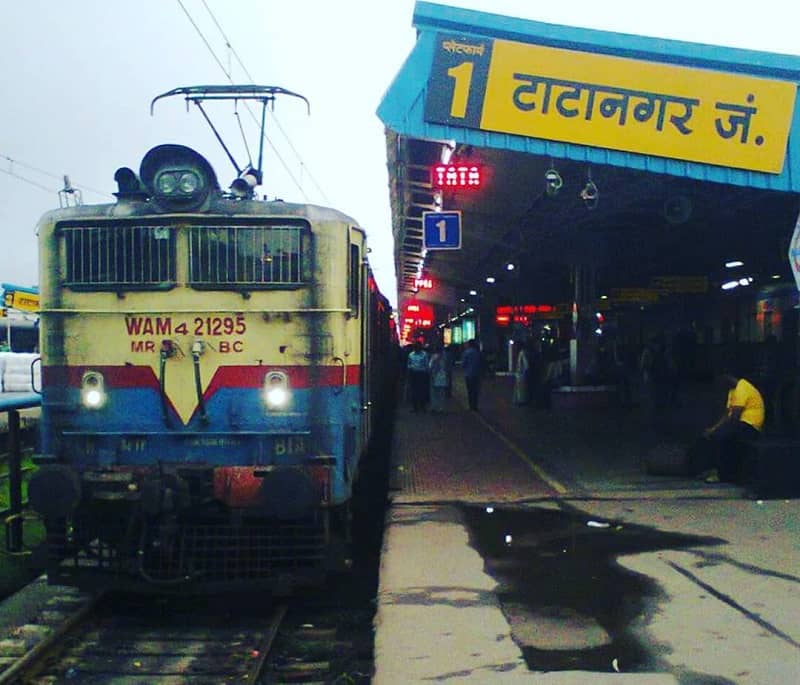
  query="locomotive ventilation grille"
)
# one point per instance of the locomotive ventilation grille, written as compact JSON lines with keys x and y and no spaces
{"x":120,"y":256}
{"x":245,"y":255}
{"x":195,"y":552}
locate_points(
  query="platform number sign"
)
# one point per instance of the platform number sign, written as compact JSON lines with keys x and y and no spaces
{"x":457,"y":81}
{"x":441,"y":230}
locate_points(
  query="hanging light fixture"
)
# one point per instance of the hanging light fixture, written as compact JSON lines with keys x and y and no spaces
{"x":590,"y":193}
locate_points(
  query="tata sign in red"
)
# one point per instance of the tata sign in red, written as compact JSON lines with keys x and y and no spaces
{"x":456,"y":176}
{"x":417,"y":315}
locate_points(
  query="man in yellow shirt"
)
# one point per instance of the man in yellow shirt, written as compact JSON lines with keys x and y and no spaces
{"x":742,"y":420}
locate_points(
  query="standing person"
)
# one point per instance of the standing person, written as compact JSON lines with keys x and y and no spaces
{"x":450,"y":354}
{"x":438,"y":373}
{"x":417,"y":367}
{"x":521,"y":377}
{"x":657,"y":369}
{"x":471,"y":363}
{"x":742,"y":420}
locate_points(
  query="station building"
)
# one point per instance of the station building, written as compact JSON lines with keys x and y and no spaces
{"x":589,"y":190}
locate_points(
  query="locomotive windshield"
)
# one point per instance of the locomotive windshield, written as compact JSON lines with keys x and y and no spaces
{"x":230,"y":254}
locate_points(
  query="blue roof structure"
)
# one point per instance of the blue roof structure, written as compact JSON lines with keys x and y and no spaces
{"x":403,"y":107}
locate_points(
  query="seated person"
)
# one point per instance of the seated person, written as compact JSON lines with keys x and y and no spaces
{"x":742,"y":420}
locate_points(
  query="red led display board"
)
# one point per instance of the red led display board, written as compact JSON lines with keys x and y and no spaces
{"x":417,"y":315}
{"x":456,"y":176}
{"x":523,"y":313}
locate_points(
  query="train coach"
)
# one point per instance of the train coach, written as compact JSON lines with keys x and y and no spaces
{"x":214,"y":368}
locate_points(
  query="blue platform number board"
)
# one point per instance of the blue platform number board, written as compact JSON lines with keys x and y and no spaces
{"x":442,"y":230}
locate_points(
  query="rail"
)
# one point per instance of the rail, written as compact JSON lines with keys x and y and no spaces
{"x":13,"y":515}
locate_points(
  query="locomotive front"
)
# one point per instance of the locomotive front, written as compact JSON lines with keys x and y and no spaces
{"x":205,"y":400}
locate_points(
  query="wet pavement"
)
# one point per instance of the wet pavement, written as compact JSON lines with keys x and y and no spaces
{"x":527,"y":545}
{"x":569,"y":603}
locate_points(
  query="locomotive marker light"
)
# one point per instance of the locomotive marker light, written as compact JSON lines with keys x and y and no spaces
{"x":93,"y":394}
{"x":243,"y":186}
{"x":276,"y":391}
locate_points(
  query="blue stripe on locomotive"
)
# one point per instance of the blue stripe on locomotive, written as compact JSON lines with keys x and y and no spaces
{"x":237,"y":431}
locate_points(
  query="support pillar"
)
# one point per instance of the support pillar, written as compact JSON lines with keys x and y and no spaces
{"x":582,"y":348}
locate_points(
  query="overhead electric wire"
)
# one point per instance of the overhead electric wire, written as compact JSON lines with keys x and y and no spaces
{"x":227,"y":42}
{"x":228,"y":75}
{"x":272,"y":114}
{"x":28,"y":180}
{"x":203,"y":38}
{"x":43,"y":172}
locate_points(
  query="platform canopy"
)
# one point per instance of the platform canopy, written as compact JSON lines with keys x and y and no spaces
{"x":558,"y":146}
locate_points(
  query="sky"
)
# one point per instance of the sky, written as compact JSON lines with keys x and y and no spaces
{"x":78,"y":78}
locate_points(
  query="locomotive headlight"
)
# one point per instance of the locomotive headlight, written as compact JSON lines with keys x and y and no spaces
{"x":189,"y":183}
{"x":178,"y":183}
{"x":177,"y":178}
{"x":276,"y":391}
{"x":166,"y":183}
{"x":93,"y":393}
{"x":277,"y":397}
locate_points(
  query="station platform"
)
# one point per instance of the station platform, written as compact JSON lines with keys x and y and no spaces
{"x":528,"y":545}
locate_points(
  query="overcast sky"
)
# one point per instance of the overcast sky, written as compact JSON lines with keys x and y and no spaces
{"x":78,"y":77}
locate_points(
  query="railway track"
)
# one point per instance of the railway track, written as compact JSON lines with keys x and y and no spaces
{"x":140,"y":640}
{"x":130,"y":641}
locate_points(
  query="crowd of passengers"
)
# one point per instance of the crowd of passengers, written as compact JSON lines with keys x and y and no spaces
{"x":753,"y":382}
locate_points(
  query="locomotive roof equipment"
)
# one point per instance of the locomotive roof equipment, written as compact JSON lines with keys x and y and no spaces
{"x":248,"y":177}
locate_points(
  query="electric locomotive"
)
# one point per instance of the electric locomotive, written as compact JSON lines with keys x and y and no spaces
{"x":213,"y":369}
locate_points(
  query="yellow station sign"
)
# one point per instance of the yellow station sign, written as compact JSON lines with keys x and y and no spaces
{"x":24,"y":302}
{"x":618,"y":103}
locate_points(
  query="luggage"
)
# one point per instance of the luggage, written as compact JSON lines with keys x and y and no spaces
{"x":667,"y":459}
{"x":772,"y":468}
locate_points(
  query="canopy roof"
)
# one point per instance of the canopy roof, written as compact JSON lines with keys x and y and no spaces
{"x":672,"y":196}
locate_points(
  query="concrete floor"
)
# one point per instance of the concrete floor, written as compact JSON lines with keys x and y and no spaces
{"x":721,"y":608}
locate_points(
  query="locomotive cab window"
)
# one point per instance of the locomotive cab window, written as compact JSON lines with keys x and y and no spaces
{"x":115,"y":256}
{"x":263,"y":256}
{"x":353,"y":284}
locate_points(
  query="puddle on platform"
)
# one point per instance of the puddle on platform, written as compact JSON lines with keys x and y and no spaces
{"x":569,"y":604}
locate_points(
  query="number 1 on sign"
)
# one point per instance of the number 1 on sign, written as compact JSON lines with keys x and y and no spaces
{"x":442,"y":226}
{"x":462,"y":75}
